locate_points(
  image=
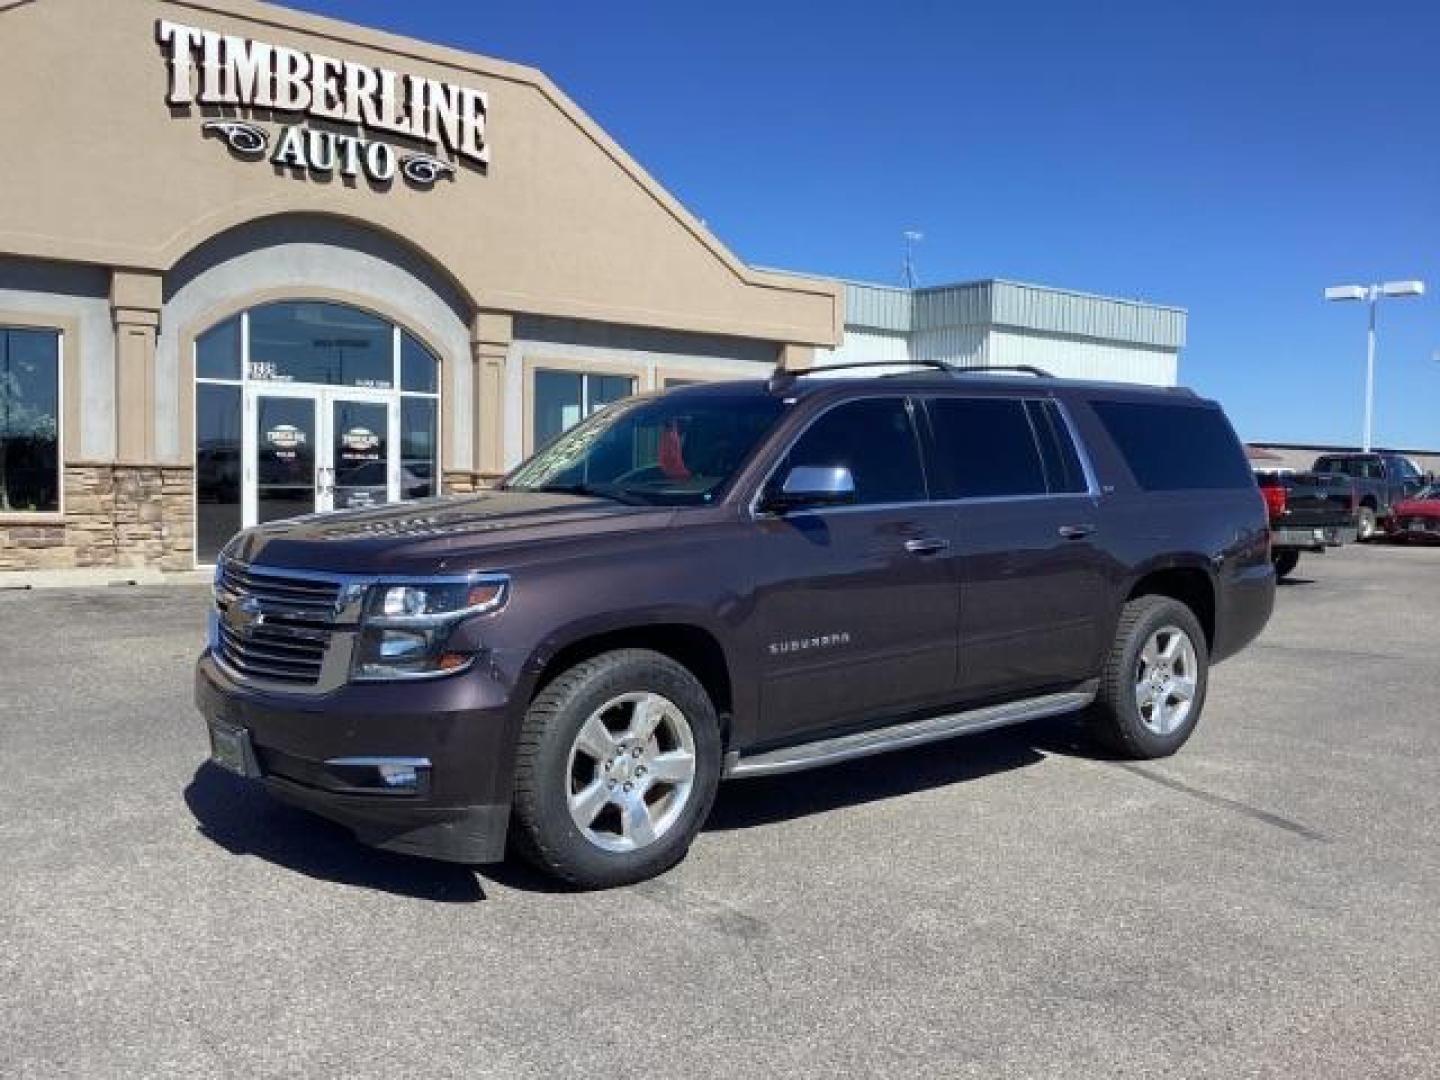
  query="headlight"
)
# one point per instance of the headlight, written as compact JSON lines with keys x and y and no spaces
{"x":407,"y":625}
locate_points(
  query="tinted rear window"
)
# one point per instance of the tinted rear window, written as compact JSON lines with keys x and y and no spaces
{"x":984,"y":447}
{"x":1176,"y":447}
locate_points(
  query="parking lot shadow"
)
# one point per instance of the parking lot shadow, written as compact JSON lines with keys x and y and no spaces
{"x":744,"y":804}
{"x":244,"y":820}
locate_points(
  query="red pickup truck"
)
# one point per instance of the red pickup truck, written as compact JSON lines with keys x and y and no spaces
{"x":1308,"y":512}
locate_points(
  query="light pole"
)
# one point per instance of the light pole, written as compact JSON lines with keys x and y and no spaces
{"x":1372,"y":294}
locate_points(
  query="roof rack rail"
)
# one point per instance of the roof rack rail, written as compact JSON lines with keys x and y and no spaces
{"x":985,"y":369}
{"x":784,"y":378}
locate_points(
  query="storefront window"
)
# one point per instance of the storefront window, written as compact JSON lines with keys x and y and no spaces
{"x":217,"y":467}
{"x":418,"y":368}
{"x":29,"y":421}
{"x":217,"y":351}
{"x":295,"y":405}
{"x":314,"y":342}
{"x":564,"y":398}
{"x":418,"y":451}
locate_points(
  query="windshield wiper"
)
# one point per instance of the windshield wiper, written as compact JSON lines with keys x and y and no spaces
{"x":593,"y":491}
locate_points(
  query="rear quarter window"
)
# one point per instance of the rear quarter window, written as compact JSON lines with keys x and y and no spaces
{"x":1176,"y":447}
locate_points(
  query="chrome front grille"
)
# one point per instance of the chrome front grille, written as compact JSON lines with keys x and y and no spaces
{"x":297,"y":594}
{"x":279,"y":653}
{"x":277,"y":626}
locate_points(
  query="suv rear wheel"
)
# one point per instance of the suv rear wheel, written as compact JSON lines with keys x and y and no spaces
{"x":616,"y":768}
{"x":1153,"y":687}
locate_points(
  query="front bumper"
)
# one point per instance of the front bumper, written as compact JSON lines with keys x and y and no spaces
{"x":461,"y":726}
{"x":1313,"y":538}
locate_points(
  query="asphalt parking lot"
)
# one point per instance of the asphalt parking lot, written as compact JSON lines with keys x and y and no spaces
{"x":1263,"y":904}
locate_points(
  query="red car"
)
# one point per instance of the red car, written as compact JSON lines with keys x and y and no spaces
{"x":1417,"y":518}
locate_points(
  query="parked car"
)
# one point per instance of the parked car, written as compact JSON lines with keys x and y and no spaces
{"x":1308,"y":512}
{"x":1382,"y":479}
{"x":736,"y":580}
{"x":1417,"y":518}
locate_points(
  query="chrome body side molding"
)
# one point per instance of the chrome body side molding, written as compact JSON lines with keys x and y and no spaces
{"x":899,"y":736}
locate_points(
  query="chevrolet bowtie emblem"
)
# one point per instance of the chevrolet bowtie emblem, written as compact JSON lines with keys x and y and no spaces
{"x":250,"y":608}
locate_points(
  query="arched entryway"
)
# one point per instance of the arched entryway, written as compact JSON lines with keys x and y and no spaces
{"x":304,"y":406}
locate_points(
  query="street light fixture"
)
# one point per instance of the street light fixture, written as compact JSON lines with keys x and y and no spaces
{"x":1371,"y":294}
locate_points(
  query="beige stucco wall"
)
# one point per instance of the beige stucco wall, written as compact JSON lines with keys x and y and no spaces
{"x":562,"y":223}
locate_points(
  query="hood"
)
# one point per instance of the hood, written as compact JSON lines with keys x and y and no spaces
{"x":444,"y":535}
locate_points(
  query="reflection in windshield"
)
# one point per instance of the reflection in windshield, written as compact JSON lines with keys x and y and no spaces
{"x":675,"y":450}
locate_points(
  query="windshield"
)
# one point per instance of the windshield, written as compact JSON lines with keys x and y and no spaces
{"x":1405,"y":468}
{"x":1429,"y":494}
{"x":675,"y":450}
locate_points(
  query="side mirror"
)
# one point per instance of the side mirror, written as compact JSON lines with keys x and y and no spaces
{"x":813,"y":485}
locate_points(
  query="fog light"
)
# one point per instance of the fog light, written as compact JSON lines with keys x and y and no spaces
{"x":399,"y":776}
{"x":381,"y":775}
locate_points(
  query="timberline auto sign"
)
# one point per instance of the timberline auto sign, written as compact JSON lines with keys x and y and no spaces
{"x":222,"y":70}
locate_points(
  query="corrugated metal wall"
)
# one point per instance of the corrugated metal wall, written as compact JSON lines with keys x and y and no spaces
{"x":964,"y":346}
{"x":867,"y":346}
{"x":1075,"y":335}
{"x":1074,"y":358}
{"x":1056,"y":311}
{"x":879,"y":307}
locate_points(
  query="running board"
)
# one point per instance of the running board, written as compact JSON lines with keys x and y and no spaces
{"x":899,"y":736}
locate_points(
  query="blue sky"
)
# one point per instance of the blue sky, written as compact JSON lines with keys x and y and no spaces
{"x":1232,"y":158}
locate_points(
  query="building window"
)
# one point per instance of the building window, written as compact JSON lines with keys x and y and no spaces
{"x":311,"y":341}
{"x":564,"y":398}
{"x":29,"y":421}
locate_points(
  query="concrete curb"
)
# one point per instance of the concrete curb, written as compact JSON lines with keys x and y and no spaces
{"x":97,"y":578}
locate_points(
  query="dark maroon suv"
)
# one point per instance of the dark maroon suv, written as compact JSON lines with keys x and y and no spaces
{"x":732,"y":580}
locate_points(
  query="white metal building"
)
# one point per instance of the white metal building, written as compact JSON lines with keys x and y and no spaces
{"x":993,"y":323}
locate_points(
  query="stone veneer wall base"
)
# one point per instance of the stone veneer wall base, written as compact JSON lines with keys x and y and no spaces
{"x":116,"y":515}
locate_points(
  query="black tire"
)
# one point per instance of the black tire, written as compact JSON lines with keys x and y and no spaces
{"x":1365,"y":524}
{"x":1285,"y":562}
{"x":543,"y":830}
{"x":1116,"y":720}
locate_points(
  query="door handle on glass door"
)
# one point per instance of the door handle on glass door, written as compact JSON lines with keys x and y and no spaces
{"x":1076,"y":532}
{"x":926,"y":545}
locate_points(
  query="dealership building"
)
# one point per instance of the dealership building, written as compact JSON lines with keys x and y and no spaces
{"x":256,"y":263}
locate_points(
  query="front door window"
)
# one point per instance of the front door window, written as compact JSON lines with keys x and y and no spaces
{"x":305,"y":407}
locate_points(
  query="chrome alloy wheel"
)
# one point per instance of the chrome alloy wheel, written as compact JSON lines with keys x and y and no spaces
{"x":1166,"y":680}
{"x":630,"y":772}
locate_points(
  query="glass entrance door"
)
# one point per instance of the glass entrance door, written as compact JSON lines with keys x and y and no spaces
{"x":310,"y":450}
{"x":360,"y":468}
{"x":282,"y":475}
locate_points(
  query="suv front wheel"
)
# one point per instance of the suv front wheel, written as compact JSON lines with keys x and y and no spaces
{"x":1153,"y":687}
{"x":617,"y":765}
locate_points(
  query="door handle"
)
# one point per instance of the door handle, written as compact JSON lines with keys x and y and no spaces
{"x":1076,"y":532}
{"x":926,"y":545}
